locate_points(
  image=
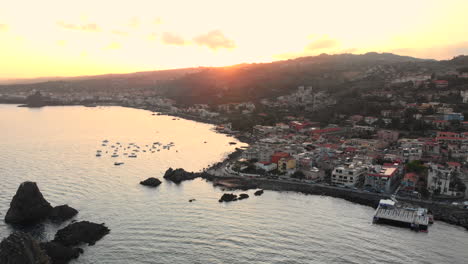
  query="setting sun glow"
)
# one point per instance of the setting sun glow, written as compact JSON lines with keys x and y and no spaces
{"x":70,"y":38}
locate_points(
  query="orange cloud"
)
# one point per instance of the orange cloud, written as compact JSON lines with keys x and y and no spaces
{"x":215,"y":40}
{"x":323,"y":43}
{"x":319,"y":45}
{"x":172,"y":39}
{"x":92,"y":27}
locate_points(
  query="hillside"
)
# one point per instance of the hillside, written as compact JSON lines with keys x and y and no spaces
{"x":251,"y":82}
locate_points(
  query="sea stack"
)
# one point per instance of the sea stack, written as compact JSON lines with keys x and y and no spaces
{"x":28,"y":205}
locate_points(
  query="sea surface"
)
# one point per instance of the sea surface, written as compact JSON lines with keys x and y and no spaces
{"x":56,"y":147}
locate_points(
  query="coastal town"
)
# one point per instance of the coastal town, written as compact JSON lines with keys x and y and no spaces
{"x":406,"y":139}
{"x":237,"y":132}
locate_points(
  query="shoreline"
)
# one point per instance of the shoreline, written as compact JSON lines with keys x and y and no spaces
{"x":442,"y":211}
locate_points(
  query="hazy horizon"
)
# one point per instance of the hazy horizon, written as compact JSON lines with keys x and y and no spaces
{"x":52,"y":78}
{"x":83,"y":38}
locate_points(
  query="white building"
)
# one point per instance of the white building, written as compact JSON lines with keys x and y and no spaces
{"x":438,"y":180}
{"x":348,"y":174}
{"x":464,"y":95}
{"x":267,"y":166}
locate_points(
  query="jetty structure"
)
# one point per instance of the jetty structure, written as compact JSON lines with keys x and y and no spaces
{"x":394,"y":213}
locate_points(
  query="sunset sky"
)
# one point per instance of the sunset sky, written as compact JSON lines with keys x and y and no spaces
{"x":71,"y":38}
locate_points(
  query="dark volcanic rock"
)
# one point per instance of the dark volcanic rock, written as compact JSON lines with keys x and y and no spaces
{"x":21,"y":248}
{"x":28,"y":205}
{"x":62,"y":212}
{"x":243,"y":196}
{"x":60,"y":254}
{"x":228,"y":197}
{"x":258,"y":193}
{"x":152,"y":182}
{"x":179,"y":175}
{"x":81,"y":232}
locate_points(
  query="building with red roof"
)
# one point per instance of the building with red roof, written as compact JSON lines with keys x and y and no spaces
{"x":409,"y":182}
{"x":279,"y":155}
{"x":328,"y":131}
{"x":381,"y":178}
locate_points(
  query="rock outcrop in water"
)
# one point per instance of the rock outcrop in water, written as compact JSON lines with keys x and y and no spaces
{"x":179,"y":175}
{"x":258,"y":193}
{"x":243,"y":196}
{"x":21,"y":248}
{"x":28,"y":205}
{"x":62,"y":213}
{"x":228,"y":197}
{"x":81,"y":232}
{"x":151,"y":182}
{"x":60,"y":254}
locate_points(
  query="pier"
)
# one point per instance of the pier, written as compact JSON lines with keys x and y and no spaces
{"x":396,"y":214}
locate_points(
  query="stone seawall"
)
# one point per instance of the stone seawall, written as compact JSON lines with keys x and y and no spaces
{"x":442,"y":211}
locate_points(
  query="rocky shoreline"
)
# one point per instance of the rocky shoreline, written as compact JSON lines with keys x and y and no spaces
{"x":442,"y":212}
{"x":29,"y":207}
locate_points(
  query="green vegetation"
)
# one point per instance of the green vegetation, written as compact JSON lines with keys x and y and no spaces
{"x":417,"y":167}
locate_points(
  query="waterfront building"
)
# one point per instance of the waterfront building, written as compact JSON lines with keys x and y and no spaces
{"x":439,"y":178}
{"x":287,"y":164}
{"x":349,"y":174}
{"x":382,"y":178}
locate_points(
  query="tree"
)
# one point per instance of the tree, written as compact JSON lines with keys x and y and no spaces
{"x":416,"y":166}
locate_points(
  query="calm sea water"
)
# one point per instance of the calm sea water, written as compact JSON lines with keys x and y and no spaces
{"x":56,"y":147}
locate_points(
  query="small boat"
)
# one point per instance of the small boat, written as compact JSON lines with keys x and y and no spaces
{"x":104,"y":145}
{"x":232,"y":143}
{"x":118,"y":163}
{"x":114,"y":155}
{"x":105,"y":141}
{"x":132,"y":156}
{"x":98,"y":155}
{"x":99,"y":151}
